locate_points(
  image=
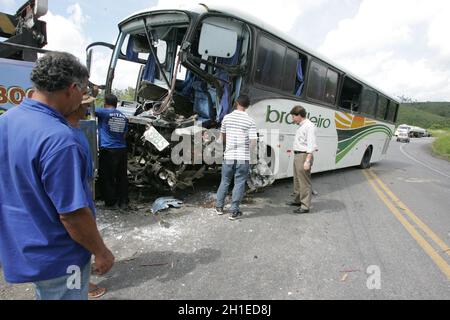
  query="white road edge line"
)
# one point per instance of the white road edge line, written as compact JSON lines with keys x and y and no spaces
{"x":420,"y":162}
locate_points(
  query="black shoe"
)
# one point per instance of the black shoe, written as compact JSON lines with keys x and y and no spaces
{"x":293,"y":204}
{"x":220,"y":211}
{"x":301,"y":211}
{"x":235,"y":215}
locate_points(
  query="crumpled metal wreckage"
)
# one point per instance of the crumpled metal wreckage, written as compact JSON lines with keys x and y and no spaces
{"x":260,"y":176}
{"x":165,"y":203}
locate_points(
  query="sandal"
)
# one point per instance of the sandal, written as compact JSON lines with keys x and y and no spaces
{"x":95,"y":291}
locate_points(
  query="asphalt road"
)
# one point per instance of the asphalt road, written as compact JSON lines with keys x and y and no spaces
{"x":382,"y":233}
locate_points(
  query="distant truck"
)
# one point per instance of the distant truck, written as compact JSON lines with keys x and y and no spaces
{"x":417,"y":132}
{"x":411,"y":131}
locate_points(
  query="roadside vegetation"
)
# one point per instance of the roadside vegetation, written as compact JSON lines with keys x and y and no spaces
{"x":433,"y":116}
{"x":428,"y":115}
{"x":441,"y":146}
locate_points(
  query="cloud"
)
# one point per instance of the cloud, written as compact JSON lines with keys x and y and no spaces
{"x":394,"y":44}
{"x":67,"y":34}
{"x":438,"y":31}
{"x":281,"y":14}
{"x":76,"y":15}
{"x":8,"y":5}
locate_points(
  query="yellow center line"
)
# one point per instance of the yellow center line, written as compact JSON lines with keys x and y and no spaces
{"x":429,"y":250}
{"x":444,"y":247}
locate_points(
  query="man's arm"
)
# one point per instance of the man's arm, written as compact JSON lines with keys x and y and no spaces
{"x":223,"y":137}
{"x":253,"y":151}
{"x":311,"y":147}
{"x":223,"y":132}
{"x":82,"y":228}
{"x":253,"y":137}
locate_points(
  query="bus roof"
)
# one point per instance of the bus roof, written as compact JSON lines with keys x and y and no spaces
{"x":237,"y":13}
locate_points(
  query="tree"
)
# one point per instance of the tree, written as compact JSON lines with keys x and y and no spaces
{"x":125,"y":94}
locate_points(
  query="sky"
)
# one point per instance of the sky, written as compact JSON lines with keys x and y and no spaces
{"x":400,"y":46}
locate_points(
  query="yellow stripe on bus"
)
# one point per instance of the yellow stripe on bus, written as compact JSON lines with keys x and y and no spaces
{"x":342,"y":120}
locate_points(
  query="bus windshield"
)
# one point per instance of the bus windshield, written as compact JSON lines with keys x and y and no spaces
{"x":146,"y":51}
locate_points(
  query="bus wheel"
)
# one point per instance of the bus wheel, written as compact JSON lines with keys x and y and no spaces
{"x":365,"y":162}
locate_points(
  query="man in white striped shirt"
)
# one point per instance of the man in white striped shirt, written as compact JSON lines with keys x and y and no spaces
{"x":304,"y":148}
{"x":239,"y":133}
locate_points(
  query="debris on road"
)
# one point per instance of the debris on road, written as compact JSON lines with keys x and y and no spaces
{"x":260,"y":176}
{"x":164,"y":224}
{"x":164,"y":203}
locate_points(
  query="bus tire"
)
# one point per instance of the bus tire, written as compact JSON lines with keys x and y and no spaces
{"x":365,"y":162}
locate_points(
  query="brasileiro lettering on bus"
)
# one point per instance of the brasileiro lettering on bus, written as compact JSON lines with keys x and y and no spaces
{"x":275,"y":116}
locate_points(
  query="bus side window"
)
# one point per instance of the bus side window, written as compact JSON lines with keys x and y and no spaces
{"x":350,"y":95}
{"x":290,"y":68}
{"x":331,"y":87}
{"x":300,"y":76}
{"x":368,"y":102}
{"x":322,"y":83}
{"x":316,"y":81}
{"x":382,"y":108}
{"x":392,"y":111}
{"x":269,"y":63}
{"x":277,"y":66}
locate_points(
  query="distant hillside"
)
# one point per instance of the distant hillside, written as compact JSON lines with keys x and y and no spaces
{"x":427,"y":115}
{"x":440,"y":108}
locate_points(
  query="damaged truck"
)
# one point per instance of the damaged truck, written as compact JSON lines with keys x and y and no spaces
{"x":185,"y":69}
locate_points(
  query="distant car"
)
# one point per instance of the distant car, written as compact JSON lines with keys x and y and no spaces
{"x":403,"y":136}
{"x":403,"y":127}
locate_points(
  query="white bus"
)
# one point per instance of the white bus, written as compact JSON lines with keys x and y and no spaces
{"x":188,"y":66}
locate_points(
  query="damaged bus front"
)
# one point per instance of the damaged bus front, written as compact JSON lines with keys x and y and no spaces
{"x":182,"y":71}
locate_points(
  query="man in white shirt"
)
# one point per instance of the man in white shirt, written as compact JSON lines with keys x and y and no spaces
{"x":304,"y":147}
{"x":239,"y":133}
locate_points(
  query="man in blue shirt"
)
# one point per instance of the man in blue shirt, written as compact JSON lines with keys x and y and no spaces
{"x":47,"y":224}
{"x":74,"y":121}
{"x":112,"y":129}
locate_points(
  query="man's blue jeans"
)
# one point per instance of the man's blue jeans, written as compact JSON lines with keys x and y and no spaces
{"x":239,"y":171}
{"x":74,"y":286}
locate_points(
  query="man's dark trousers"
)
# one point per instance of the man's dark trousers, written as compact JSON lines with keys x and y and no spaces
{"x":113,"y":176}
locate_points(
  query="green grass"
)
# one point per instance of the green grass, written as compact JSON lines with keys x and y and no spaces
{"x":442,"y":144}
{"x":425,"y":115}
{"x":439,"y":108}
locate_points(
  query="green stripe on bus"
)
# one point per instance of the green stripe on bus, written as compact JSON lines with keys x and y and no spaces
{"x":344,"y":143}
{"x":348,"y":134}
{"x":341,"y":154}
